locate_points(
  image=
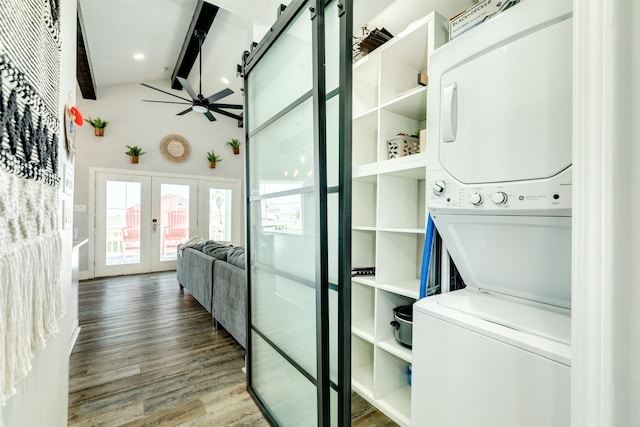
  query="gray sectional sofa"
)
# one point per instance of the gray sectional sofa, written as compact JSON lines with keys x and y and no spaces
{"x":214,"y":274}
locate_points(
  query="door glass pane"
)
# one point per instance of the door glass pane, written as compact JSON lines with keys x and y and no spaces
{"x":174,"y":219}
{"x":283,"y":75}
{"x":284,"y":311}
{"x":219,"y":214}
{"x":332,"y":255}
{"x":283,"y":234}
{"x":283,"y":152}
{"x":290,"y":396}
{"x":122,"y":222}
{"x":333,"y":155}
{"x":332,"y":46}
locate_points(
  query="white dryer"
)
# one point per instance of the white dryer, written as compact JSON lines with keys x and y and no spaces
{"x":498,"y":353}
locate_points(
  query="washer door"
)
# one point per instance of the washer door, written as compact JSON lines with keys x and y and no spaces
{"x":505,"y":113}
{"x":524,"y":257}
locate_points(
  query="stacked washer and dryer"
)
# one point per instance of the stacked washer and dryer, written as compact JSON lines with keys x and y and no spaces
{"x":498,"y":353}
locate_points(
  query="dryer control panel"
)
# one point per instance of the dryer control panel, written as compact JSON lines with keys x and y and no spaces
{"x":542,"y":197}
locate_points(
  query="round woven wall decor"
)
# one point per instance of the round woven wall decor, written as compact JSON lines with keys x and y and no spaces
{"x":175,"y":148}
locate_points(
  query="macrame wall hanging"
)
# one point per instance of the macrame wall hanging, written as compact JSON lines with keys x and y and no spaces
{"x":30,"y":115}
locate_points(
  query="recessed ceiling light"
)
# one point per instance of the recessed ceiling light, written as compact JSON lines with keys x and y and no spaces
{"x":225,"y":80}
{"x":138,"y":56}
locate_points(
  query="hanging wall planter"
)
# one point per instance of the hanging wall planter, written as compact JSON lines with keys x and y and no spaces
{"x":235,"y":145}
{"x":133,"y":153}
{"x":98,"y":125}
{"x":213,"y":159}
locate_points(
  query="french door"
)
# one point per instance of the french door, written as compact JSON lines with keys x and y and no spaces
{"x":141,"y":219}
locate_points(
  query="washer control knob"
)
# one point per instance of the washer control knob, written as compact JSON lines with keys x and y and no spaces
{"x":439,"y":187}
{"x":476,"y":199}
{"x":500,"y":198}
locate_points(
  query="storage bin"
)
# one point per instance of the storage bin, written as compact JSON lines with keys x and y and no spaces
{"x":403,"y":145}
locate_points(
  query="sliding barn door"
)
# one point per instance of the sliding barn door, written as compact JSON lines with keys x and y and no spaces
{"x":298,"y":129}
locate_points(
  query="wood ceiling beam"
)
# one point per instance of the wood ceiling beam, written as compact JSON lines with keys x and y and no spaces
{"x":84,"y":74}
{"x":203,"y":17}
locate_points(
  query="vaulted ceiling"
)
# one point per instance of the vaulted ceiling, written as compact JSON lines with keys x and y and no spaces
{"x":114,"y":31}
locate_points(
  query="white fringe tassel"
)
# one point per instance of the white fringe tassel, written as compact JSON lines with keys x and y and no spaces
{"x":31,"y":302}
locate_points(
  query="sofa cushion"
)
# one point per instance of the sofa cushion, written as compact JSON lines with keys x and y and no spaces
{"x":236,"y":257}
{"x":198,"y":246}
{"x":216,"y":250}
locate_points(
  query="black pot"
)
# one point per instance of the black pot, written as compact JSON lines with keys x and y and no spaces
{"x":403,"y":325}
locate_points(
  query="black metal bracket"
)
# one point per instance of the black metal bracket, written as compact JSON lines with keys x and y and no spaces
{"x":341,"y":7}
{"x":312,"y":9}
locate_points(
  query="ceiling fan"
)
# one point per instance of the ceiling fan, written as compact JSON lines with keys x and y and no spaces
{"x":199,"y":103}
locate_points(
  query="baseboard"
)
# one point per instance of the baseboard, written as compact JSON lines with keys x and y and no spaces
{"x":84,"y":275}
{"x":74,"y":335}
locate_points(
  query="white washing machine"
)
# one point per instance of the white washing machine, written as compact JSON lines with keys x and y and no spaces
{"x":498,"y":353}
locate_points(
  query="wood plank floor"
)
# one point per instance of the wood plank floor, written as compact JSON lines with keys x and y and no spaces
{"x":148,"y":355}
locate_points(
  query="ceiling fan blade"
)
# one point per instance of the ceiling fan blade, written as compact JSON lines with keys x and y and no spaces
{"x":164,"y":91}
{"x":209,"y":116}
{"x":168,"y":102}
{"x":219,"y":95}
{"x":225,"y":113}
{"x":186,"y":86}
{"x":227,"y":106}
{"x":185,"y":111}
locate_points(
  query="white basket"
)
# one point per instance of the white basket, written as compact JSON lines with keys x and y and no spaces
{"x":402,"y":145}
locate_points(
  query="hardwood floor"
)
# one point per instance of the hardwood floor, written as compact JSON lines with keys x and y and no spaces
{"x":148,"y":355}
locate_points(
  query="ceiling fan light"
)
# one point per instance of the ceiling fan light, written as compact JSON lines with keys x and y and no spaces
{"x":200,"y":109}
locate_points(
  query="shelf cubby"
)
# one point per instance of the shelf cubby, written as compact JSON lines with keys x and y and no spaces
{"x":400,"y":198}
{"x":391,"y":124}
{"x":365,"y":84}
{"x":391,"y":386}
{"x":398,"y":257}
{"x":362,"y":365}
{"x":363,"y":248}
{"x":363,"y":208}
{"x":365,"y":137}
{"x":362,"y":310}
{"x":385,"y":303}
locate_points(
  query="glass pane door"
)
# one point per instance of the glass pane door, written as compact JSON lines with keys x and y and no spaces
{"x":140,"y":220}
{"x":174,"y":213}
{"x":293,"y":345}
{"x":121,"y":240}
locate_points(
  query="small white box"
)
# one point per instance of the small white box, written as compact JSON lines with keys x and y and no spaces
{"x":476,"y":15}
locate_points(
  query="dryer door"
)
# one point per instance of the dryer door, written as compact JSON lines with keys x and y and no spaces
{"x":506,"y":112}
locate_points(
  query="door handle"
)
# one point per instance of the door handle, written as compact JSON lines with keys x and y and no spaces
{"x":450,"y":113}
{"x":154,"y":224}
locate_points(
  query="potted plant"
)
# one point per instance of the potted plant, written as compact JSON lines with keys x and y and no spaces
{"x":98,"y":125}
{"x":213,"y":159}
{"x":134,"y":152}
{"x":235,"y":144}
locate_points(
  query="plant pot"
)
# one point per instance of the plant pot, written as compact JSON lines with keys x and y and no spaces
{"x":236,"y":151}
{"x":99,"y":132}
{"x":134,"y":159}
{"x":212,"y":165}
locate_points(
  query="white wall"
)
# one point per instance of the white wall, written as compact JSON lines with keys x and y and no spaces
{"x":606,"y":242}
{"x":134,"y":122}
{"x":42,"y":397}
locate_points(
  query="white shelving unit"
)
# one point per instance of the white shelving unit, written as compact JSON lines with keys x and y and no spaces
{"x":388,"y":210}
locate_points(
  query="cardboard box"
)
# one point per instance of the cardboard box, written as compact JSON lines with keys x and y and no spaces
{"x":476,"y":15}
